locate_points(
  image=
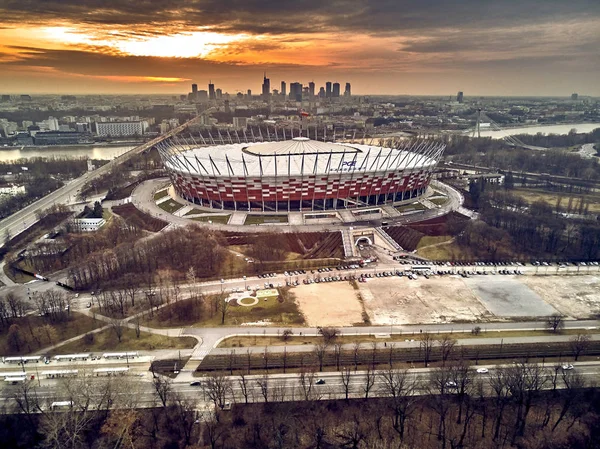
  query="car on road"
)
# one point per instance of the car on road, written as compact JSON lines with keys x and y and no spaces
{"x":483,"y":370}
{"x":567,"y":367}
{"x":320,"y":382}
{"x":451,"y":384}
{"x":195,"y":383}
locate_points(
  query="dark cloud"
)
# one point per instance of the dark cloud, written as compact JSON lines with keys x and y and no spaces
{"x":302,"y":16}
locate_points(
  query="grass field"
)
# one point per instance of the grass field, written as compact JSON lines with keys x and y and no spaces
{"x":451,"y":251}
{"x":170,"y":206}
{"x":161,"y":194}
{"x":261,"y":219}
{"x":243,"y":342}
{"x":410,"y":207}
{"x":221,"y":219}
{"x":532,"y":195}
{"x":433,"y":240}
{"x":276,"y":312}
{"x":37,"y":332}
{"x":108,"y":341}
{"x":200,"y":211}
{"x":439,"y":201}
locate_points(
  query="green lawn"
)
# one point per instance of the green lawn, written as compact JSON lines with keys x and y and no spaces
{"x":221,"y":219}
{"x":161,"y":194}
{"x":411,"y":207}
{"x":262,"y":219}
{"x":107,"y":341}
{"x":199,"y":211}
{"x":439,"y":201}
{"x":170,"y":206}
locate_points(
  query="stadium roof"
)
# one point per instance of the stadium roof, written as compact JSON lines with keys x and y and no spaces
{"x":298,"y":158}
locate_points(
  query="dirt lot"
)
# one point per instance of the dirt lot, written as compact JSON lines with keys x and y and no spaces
{"x":334,"y":304}
{"x":574,"y":296}
{"x":396,"y":300}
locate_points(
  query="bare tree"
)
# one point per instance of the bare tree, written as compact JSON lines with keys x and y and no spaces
{"x":118,"y":327}
{"x":306,"y":379}
{"x":320,"y":352}
{"x":370,"y":377}
{"x":217,"y":388}
{"x":137,"y":322}
{"x":579,"y":344}
{"x":555,"y":322}
{"x":287,"y":334}
{"x":426,"y":345}
{"x":223,"y":307}
{"x":499,"y":384}
{"x":337,"y":352}
{"x":329,"y":334}
{"x":346,"y":374}
{"x":355,"y":354}
{"x":446,"y":344}
{"x":163,"y":388}
{"x":263,"y":384}
{"x":400,"y":386}
{"x":243,"y":383}
{"x":574,"y":385}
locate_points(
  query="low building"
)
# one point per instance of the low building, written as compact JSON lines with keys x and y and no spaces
{"x":120,"y":129}
{"x":12,"y":190}
{"x":60,"y":138}
{"x":86,"y":224}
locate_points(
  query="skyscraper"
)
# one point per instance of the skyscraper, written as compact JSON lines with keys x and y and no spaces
{"x":296,"y":91}
{"x":249,"y":93}
{"x":218,"y":94}
{"x":311,"y":89}
{"x":283,"y":88}
{"x":348,"y":90}
{"x":322,"y":92}
{"x":459,"y":97}
{"x":266,"y":87}
{"x":328,"y":89}
{"x":194,"y":91}
{"x":336,"y":90}
{"x":211,"y":91}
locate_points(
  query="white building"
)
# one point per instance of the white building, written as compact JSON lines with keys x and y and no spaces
{"x":12,"y":190}
{"x":118,"y":129}
{"x":87,"y":224}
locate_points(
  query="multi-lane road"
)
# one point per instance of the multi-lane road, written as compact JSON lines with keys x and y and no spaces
{"x":283,"y":387}
{"x":26,"y":217}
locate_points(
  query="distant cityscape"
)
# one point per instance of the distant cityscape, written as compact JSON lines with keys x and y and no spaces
{"x":48,"y":120}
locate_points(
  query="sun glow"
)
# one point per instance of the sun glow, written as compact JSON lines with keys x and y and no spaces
{"x":191,"y":44}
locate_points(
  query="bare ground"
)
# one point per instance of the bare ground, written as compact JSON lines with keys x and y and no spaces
{"x":573,"y":296}
{"x":397,"y":300}
{"x":334,"y":304}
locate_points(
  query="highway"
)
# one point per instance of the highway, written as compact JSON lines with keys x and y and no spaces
{"x":26,"y":217}
{"x":140,"y":392}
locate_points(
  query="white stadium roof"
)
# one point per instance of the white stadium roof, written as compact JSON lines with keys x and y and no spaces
{"x":299,"y":157}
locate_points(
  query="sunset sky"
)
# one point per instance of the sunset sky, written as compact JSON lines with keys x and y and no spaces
{"x":483,"y":47}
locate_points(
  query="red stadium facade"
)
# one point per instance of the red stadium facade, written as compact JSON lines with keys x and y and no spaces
{"x":300,"y":174}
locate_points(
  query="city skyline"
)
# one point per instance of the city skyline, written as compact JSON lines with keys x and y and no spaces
{"x":516,"y":48}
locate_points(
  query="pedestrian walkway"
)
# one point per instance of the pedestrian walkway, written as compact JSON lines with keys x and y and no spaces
{"x":184,"y":210}
{"x":238,"y":218}
{"x":391,"y":211}
{"x":346,"y":215}
{"x":296,"y":219}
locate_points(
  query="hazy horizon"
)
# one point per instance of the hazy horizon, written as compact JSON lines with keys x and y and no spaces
{"x":527,"y":48}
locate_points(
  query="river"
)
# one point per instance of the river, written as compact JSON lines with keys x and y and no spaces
{"x":545,"y":129}
{"x":106,"y":152}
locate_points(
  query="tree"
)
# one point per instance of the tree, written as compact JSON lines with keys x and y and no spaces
{"x":98,"y":211}
{"x":370,"y":377}
{"x":426,"y":345}
{"x":555,"y":322}
{"x":579,"y":344}
{"x":320,"y":352}
{"x":346,"y":374}
{"x":446,"y":344}
{"x":217,"y":388}
{"x":14,"y":338}
{"x":287,"y":334}
{"x":163,"y":388}
{"x":117,"y":326}
{"x":400,"y":387}
{"x":329,"y":334}
{"x":223,"y":307}
{"x":306,"y":379}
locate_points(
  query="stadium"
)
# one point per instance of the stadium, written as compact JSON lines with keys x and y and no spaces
{"x":299,"y":174}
